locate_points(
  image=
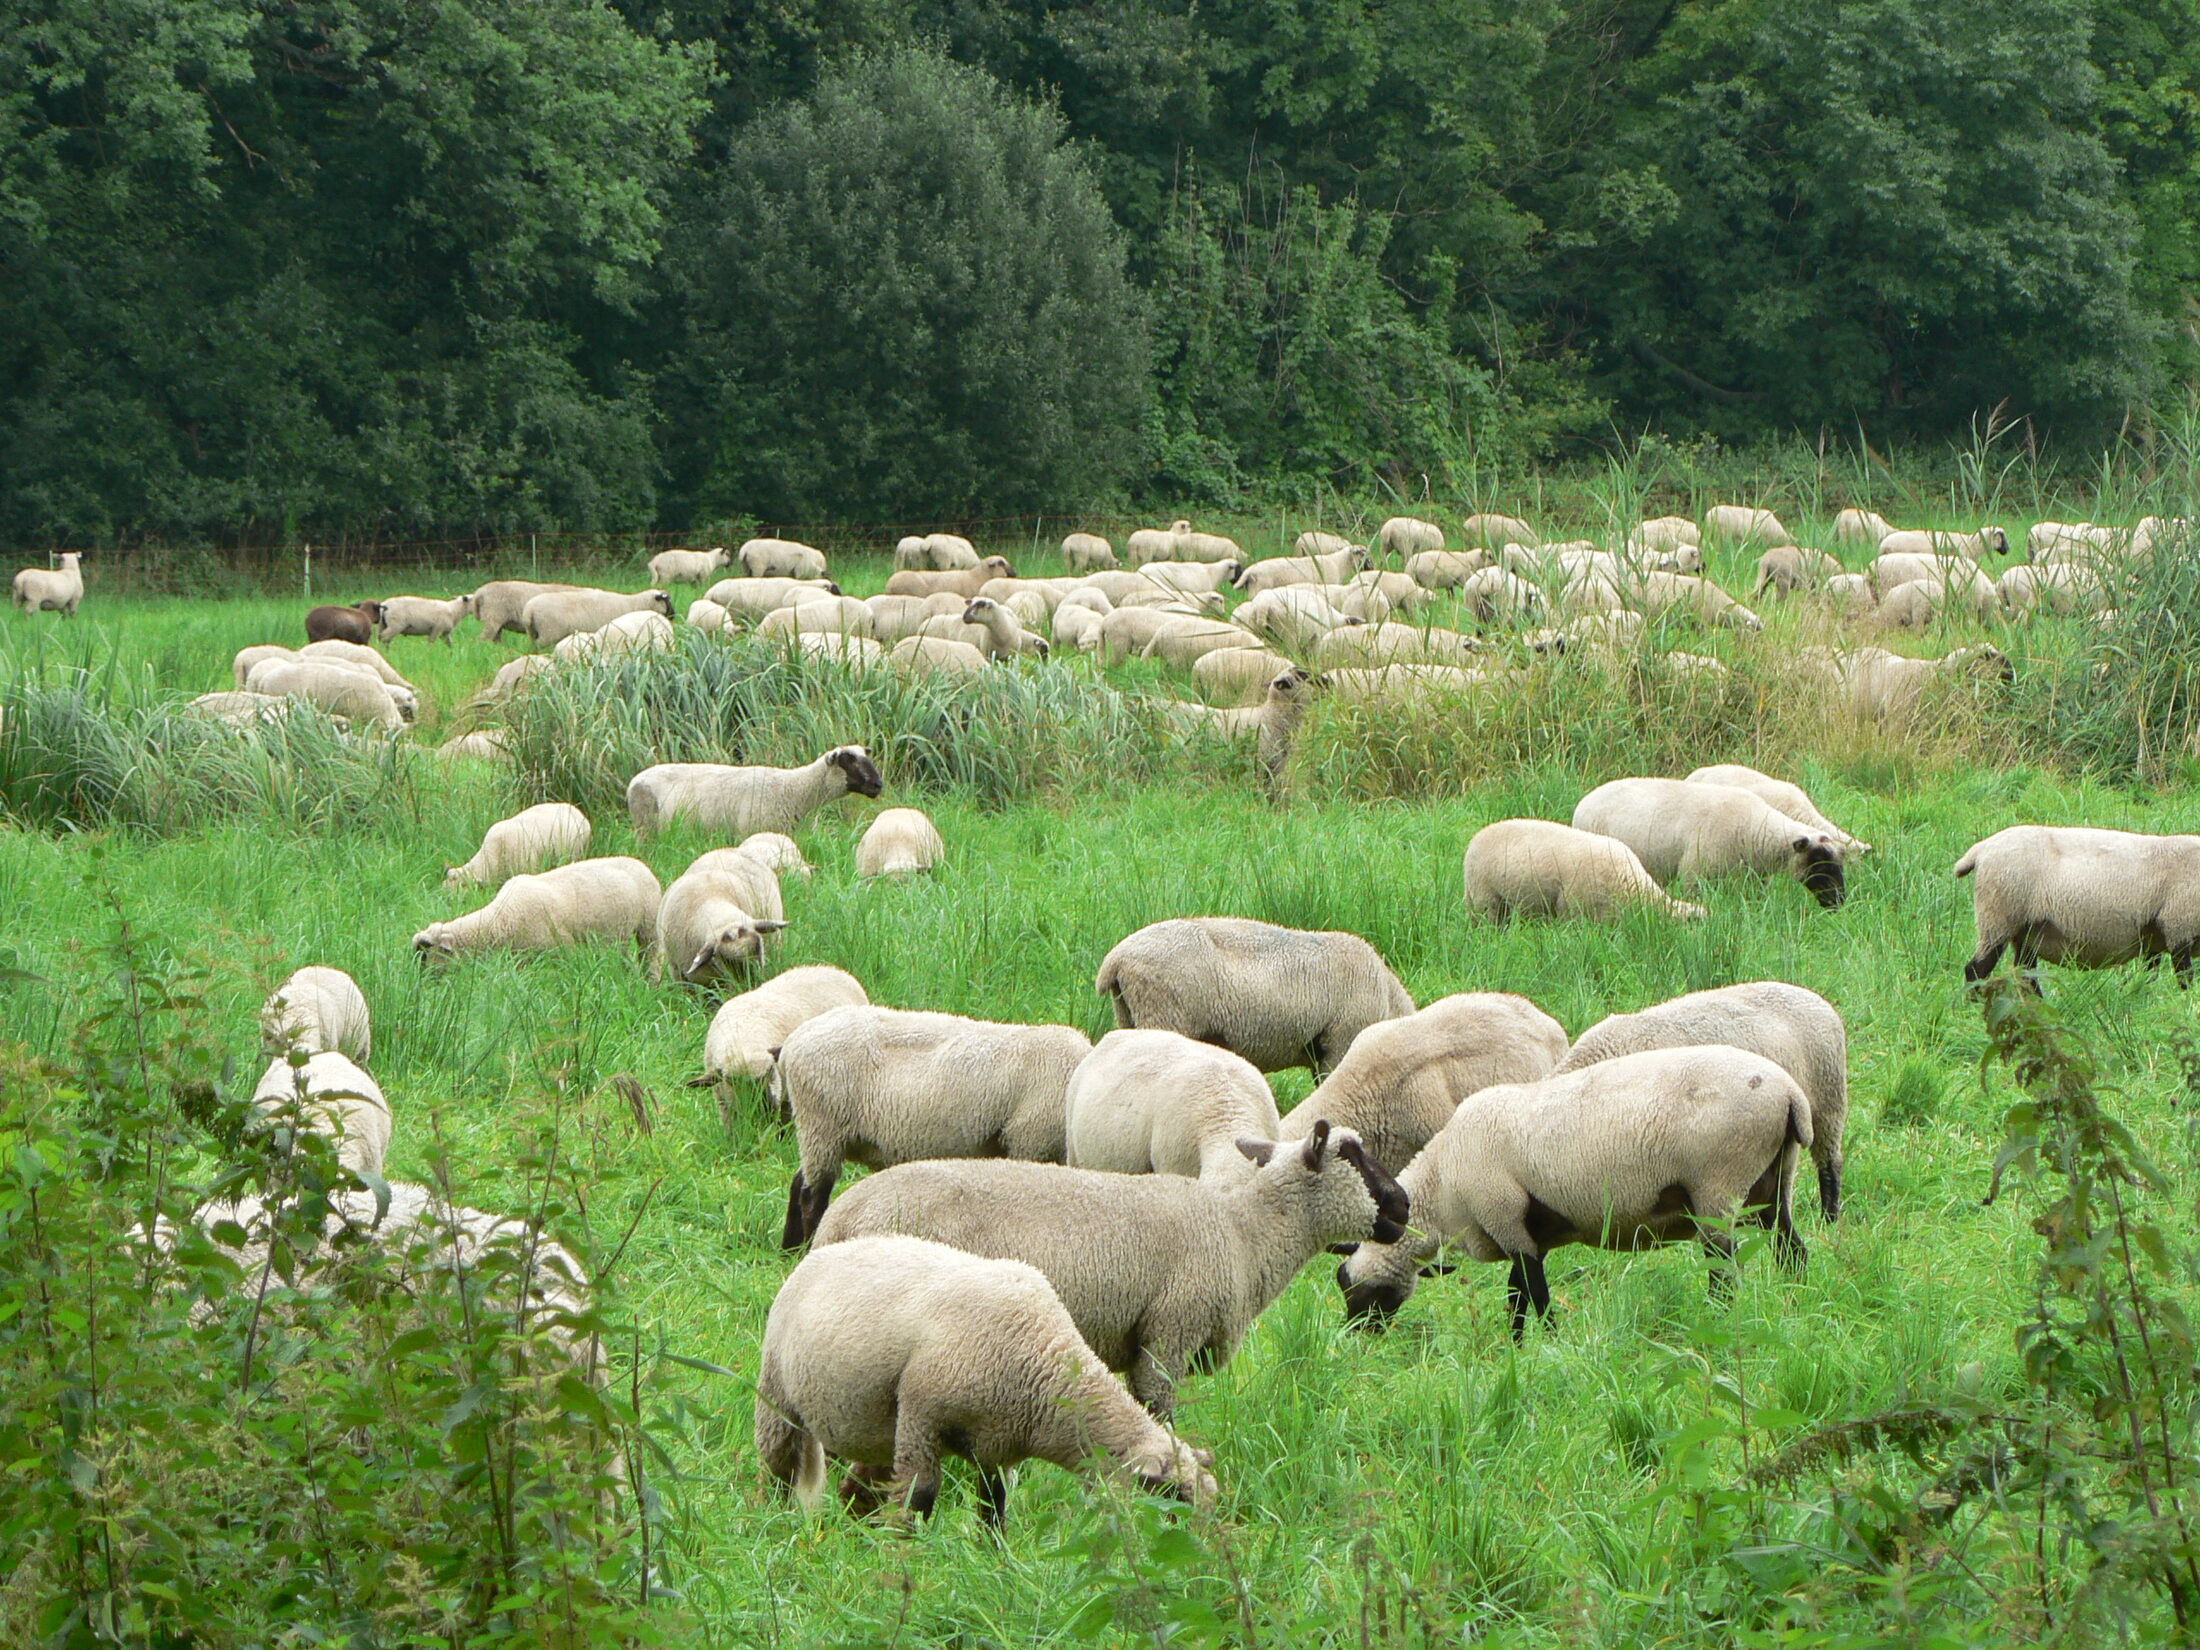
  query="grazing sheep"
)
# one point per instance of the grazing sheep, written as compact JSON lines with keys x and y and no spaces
{"x":965,"y":582}
{"x":670,"y":567}
{"x":713,"y":920}
{"x":1315,"y":542}
{"x":241,"y":709}
{"x":900,"y":841}
{"x":1788,"y":568}
{"x":1884,"y":687}
{"x":1633,"y":1152}
{"x":1087,"y":552}
{"x":1077,"y":623}
{"x":1182,"y":638}
{"x":1160,"y":1273}
{"x":1445,"y":569}
{"x":1848,"y":595}
{"x":1488,"y":531}
{"x":890,"y":1353}
{"x":780,"y":559}
{"x":240,"y":668}
{"x":1237,"y":676}
{"x":1783,"y":796}
{"x":705,"y":615}
{"x":1152,"y":1102}
{"x":1678,"y":829}
{"x":1403,"y":684}
{"x":1154,"y":543}
{"x":343,"y":624}
{"x":1739,"y":524}
{"x":911,"y":552}
{"x":2064,"y":589}
{"x":753,"y":598}
{"x":1394,"y":644}
{"x":1355,"y":601}
{"x":1535,"y":868}
{"x":818,"y":615}
{"x":1592,"y":632}
{"x":550,"y":618}
{"x":1400,"y":1081}
{"x":1282,"y":997}
{"x":1592,"y":592}
{"x":590,"y":899}
{"x":894,"y":617}
{"x":317,"y":1011}
{"x":501,"y":604}
{"x":1126,"y":631}
{"x":1295,"y":617}
{"x":1005,"y":635}
{"x":1192,"y":578}
{"x":936,"y":656}
{"x":485,"y":745}
{"x":56,"y":590}
{"x":1664,"y":534}
{"x":737,"y":801}
{"x":333,"y":1097}
{"x":1658,"y":594}
{"x":747,"y":1032}
{"x":1864,"y":527}
{"x":1497,"y":595}
{"x":1797,"y":1030}
{"x":1987,"y":541}
{"x":2084,"y":898}
{"x":424,"y":616}
{"x":339,"y":689}
{"x":880,"y":1086}
{"x":852,"y":652}
{"x":1403,"y":536}
{"x":511,"y":674}
{"x":361,"y":658}
{"x":1277,"y":571}
{"x":1915,"y":603}
{"x":534,"y":839}
{"x":2054,"y":541}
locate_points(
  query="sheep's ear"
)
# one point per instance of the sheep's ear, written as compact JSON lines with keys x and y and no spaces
{"x":1802,"y":844}
{"x":1260,"y":1151}
{"x":696,"y":963}
{"x":1317,"y":1144}
{"x":769,"y":925}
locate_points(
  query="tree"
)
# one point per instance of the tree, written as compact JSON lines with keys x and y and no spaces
{"x":906,"y":300}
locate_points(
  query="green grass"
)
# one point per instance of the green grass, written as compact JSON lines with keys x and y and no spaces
{"x":1435,"y":1476}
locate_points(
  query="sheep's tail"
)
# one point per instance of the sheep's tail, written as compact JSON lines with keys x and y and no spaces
{"x":1109,"y":983}
{"x":1801,"y":1130}
{"x":791,"y":1453}
{"x":641,"y":807}
{"x":1967,"y":864}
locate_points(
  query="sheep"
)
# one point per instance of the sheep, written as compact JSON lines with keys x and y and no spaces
{"x":1181,"y":638}
{"x":893,"y":617}
{"x":1191,"y":546}
{"x":747,"y":1032}
{"x":241,"y":709}
{"x":534,"y":839}
{"x":1679,"y":829}
{"x":1154,"y":543}
{"x":1274,"y":721}
{"x":880,"y":1086}
{"x":1077,"y":624}
{"x":1848,"y":595}
{"x":1532,"y":867}
{"x":1661,"y":593}
{"x":344,"y":624}
{"x":1975,"y":547}
{"x":58,"y":590}
{"x":1152,"y":1102}
{"x":1590,"y":593}
{"x":359,"y":658}
{"x":1335,"y":568}
{"x":501,"y":604}
{"x":1087,"y":552}
{"x":966,"y":582}
{"x":1632,"y":1152}
{"x":818,"y":615}
{"x":1862,"y":527}
{"x":753,"y":598}
{"x":2084,"y":898}
{"x":951,"y":551}
{"x":1030,"y":608}
{"x":910,"y":551}
{"x":1496,"y":595}
{"x":778,"y":853}
{"x":549,"y":619}
{"x":614,"y":898}
{"x":1596,"y":632}
{"x":1488,"y":531}
{"x":1005,"y":636}
{"x":898,"y":842}
{"x":240,"y":667}
{"x":1400,"y":1081}
{"x":936,"y":656}
{"x":511,"y":674}
{"x":1881,"y":686}
{"x":737,"y":801}
{"x":852,"y":652}
{"x":670,"y":567}
{"x":1444,"y":569}
{"x":1402,"y":684}
{"x":1686,"y":559}
{"x":317,"y":1011}
{"x":424,"y":616}
{"x":1120,"y":585}
{"x":336,"y":688}
{"x":1192,"y":578}
{"x":1403,"y":536}
{"x":1126,"y":632}
{"x":1363,"y":602}
{"x":780,"y":559}
{"x":1315,"y":542}
{"x":1739,"y":524}
{"x":1797,"y":1030}
{"x":486,"y":744}
{"x":713,"y":920}
{"x":643,"y":632}
{"x":1160,"y":1273}
{"x":1783,"y":796}
{"x":1393,"y":644}
{"x":1915,"y":603}
{"x":1788,"y":568}
{"x":1665,"y":534}
{"x":890,"y":1353}
{"x":332,"y":1096}
{"x":1294,"y":617}
{"x":2064,"y":589}
{"x":1282,"y":997}
{"x":1237,"y":676}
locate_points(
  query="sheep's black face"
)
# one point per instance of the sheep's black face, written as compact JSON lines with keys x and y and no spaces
{"x":1821,"y":872}
{"x":862,"y":772}
{"x":1369,"y":1305}
{"x":1392,"y":1204}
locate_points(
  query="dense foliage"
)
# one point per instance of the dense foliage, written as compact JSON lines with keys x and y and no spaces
{"x":353,"y":268}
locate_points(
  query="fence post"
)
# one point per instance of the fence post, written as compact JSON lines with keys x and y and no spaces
{"x":534,"y":567}
{"x":309,"y":572}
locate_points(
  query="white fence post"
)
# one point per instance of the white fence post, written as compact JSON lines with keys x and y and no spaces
{"x":309,"y":572}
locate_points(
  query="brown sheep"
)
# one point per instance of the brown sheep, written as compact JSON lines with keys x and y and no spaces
{"x":344,"y":624}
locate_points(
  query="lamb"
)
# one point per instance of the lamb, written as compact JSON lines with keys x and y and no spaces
{"x":898,"y":842}
{"x":590,"y":899}
{"x":2084,"y":898}
{"x":423,"y":616}
{"x":1445,"y":569}
{"x":1660,"y":593}
{"x":1678,"y":829}
{"x":713,"y":920}
{"x":881,"y":1086}
{"x":1399,"y":1083}
{"x":1403,"y":536}
{"x":1788,"y":568}
{"x":780,"y":559}
{"x":1865,"y":527}
{"x":534,"y":839}
{"x":937,"y":656}
{"x":737,"y":801}
{"x":329,"y":1095}
{"x":1152,"y":1102}
{"x":1278,"y":571}
{"x":317,"y":1011}
{"x":1784,"y":797}
{"x":549,"y":619}
{"x":58,"y":590}
{"x":336,"y":688}
{"x":1005,"y":636}
{"x":344,"y":624}
{"x":1087,"y":552}
{"x":1160,"y":1273}
{"x":1626,"y":1154}
{"x":1281,"y":997}
{"x":965,"y":582}
{"x":670,"y":567}
{"x":747,"y":1032}
{"x":1976,"y":547}
{"x":753,"y":598}
{"x":1077,"y":623}
{"x":890,"y":1353}
{"x":1797,"y":1030}
{"x":1532,"y":867}
{"x":1739,"y":524}
{"x":1496,"y":595}
{"x":819,"y":615}
{"x":501,"y":604}
{"x":1493,"y":532}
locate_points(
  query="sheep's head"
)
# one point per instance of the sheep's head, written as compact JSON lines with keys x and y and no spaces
{"x":1177,"y":1469}
{"x":1353,"y":1198}
{"x":980,"y":610}
{"x":1232,"y":569}
{"x":660,"y":602}
{"x":1818,"y":867}
{"x":1293,"y":685}
{"x":720,"y":556}
{"x":433,"y":944}
{"x":862,"y":773}
{"x":735,"y":948}
{"x":996,"y":567}
{"x":1995,"y":540}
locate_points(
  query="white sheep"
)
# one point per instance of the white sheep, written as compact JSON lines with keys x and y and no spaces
{"x":1496,"y":595}
{"x":1087,"y":552}
{"x":1394,"y":644}
{"x":1294,"y":617}
{"x":880,"y":1086}
{"x":1975,"y":547}
{"x":777,"y":851}
{"x":614,"y":898}
{"x":1620,"y":632}
{"x":1740,"y":524}
{"x":1126,"y":631}
{"x":1315,"y":542}
{"x":713,"y":921}
{"x":483,"y":745}
{"x":671,"y":567}
{"x":1787,"y":568}
{"x":936,"y":656}
{"x":894,"y":617}
{"x":1490,"y":531}
{"x":1848,"y":595}
{"x":1337,"y":567}
{"x":780,"y":559}
{"x":329,"y":1095}
{"x":1281,"y":997}
{"x":2084,"y":898}
{"x":1445,"y":569}
{"x":1005,"y":635}
{"x":1160,"y":1273}
{"x":1797,"y":1030}
{"x":1683,"y":830}
{"x":1077,"y":623}
{"x":512,"y":673}
{"x":242,"y":665}
{"x":1658,"y":594}
{"x":1664,"y":534}
{"x":1403,"y":536}
{"x":1404,"y":684}
{"x":1182,"y":638}
{"x":1915,"y":603}
{"x":737,"y":801}
{"x":2065,"y":589}
{"x":241,"y":709}
{"x":1861,"y":527}
{"x":1884,"y":687}
{"x":819,"y":615}
{"x":424,"y":616}
{"x":747,"y":1032}
{"x":1192,"y":578}
{"x":58,"y":590}
{"x":549,"y":619}
{"x":1237,"y":676}
{"x":1535,"y":868}
{"x":501,"y":604}
{"x":753,"y":598}
{"x":646,"y":631}
{"x":965,"y":582}
{"x":534,"y":839}
{"x":1783,"y":795}
{"x":898,"y":842}
{"x":338,"y":689}
{"x":1154,"y":1102}
{"x":359,"y":657}
{"x":1651,"y":1148}
{"x":1401,"y":1080}
{"x":317,"y":1011}
{"x":951,"y":551}
{"x":891,"y":1353}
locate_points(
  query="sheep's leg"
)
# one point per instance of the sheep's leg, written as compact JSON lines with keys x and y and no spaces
{"x":1153,"y":1383}
{"x":1526,"y":1287}
{"x":917,"y":1462}
{"x":816,"y":1195}
{"x":1984,"y":962}
{"x":1718,"y":1247}
{"x":2180,"y":958}
{"x":863,"y":1490}
{"x":993,"y":1485}
{"x":1829,"y":1190}
{"x":2028,"y":959}
{"x":794,"y":1234}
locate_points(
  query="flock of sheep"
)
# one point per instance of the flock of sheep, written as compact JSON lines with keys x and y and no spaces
{"x":1047,"y":1214}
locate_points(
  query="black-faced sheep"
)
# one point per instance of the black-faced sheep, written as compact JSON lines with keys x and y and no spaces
{"x":613,"y":898}
{"x":738,"y":801}
{"x":1683,"y":830}
{"x":1537,"y":868}
{"x":2084,"y":898}
{"x":534,"y":839}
